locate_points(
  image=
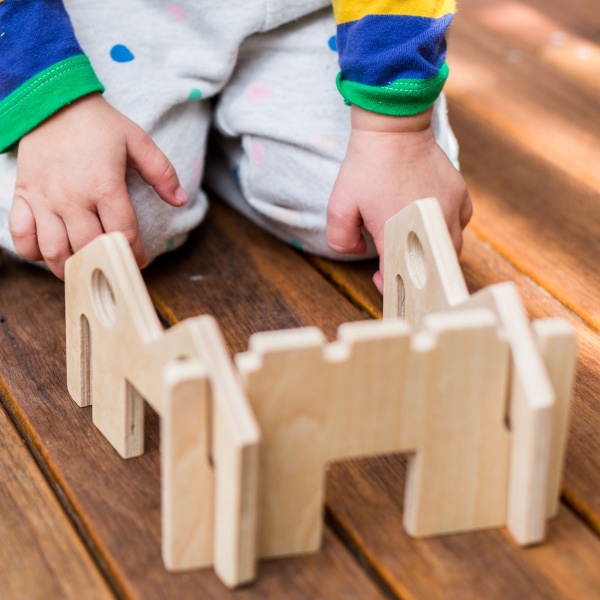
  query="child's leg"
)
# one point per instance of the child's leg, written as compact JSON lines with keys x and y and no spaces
{"x":284,"y":129}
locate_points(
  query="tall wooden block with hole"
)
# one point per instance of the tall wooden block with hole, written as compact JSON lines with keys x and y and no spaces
{"x":118,"y":356}
{"x":423,"y":276}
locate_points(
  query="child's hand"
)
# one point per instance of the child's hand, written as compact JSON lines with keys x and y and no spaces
{"x":71,"y":182}
{"x":390,"y":162}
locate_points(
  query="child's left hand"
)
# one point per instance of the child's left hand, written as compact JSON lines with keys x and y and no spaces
{"x":390,"y":162}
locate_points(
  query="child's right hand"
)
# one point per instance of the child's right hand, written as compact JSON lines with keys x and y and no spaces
{"x":71,"y":187}
{"x":390,"y":162}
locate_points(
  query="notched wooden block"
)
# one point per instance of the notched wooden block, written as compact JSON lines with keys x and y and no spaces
{"x":380,"y":389}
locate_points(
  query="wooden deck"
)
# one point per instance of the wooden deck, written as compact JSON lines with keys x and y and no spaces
{"x":76,"y":521}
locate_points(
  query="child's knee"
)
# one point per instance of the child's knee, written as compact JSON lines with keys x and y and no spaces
{"x":284,"y":188}
{"x":162,"y":227}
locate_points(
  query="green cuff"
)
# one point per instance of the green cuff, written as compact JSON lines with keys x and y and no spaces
{"x":400,"y":98}
{"x":44,"y":94}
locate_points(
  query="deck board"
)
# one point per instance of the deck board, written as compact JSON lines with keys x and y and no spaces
{"x":366,"y":498}
{"x":529,"y":131}
{"x":41,"y":554}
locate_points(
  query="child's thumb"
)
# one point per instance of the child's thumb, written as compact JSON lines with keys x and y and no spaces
{"x":344,"y":233}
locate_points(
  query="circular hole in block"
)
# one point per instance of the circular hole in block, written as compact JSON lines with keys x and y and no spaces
{"x":415,"y":260}
{"x":104,"y":299}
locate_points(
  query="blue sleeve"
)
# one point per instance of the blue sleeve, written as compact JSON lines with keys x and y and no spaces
{"x":42,"y":66}
{"x":392,"y":53}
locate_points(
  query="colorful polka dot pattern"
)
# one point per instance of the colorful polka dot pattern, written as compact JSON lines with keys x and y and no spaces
{"x":257,"y":152}
{"x":177,"y":12}
{"x":121,"y":54}
{"x":258,"y":91}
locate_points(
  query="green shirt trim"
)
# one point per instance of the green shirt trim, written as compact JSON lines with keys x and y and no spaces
{"x":400,"y":98}
{"x":44,"y":94}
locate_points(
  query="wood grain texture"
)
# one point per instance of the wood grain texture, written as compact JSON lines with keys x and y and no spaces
{"x":483,"y":266}
{"x":119,"y":357}
{"x":525,"y":105}
{"x":363,"y":496}
{"x":247,"y":280}
{"x":528,"y":129}
{"x":320,"y":403}
{"x":422,"y":274}
{"x":41,"y":555}
{"x":117,"y":502}
{"x":558,"y":345}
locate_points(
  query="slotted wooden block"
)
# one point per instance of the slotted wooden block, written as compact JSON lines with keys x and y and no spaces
{"x":379,"y":390}
{"x":423,"y":275}
{"x":421,"y":270}
{"x":116,"y":354}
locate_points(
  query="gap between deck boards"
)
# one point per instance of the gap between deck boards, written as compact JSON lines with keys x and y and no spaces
{"x":62,"y":498}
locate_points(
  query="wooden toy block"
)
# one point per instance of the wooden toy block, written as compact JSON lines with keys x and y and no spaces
{"x":187,"y":507}
{"x":117,"y":356}
{"x":380,"y":390}
{"x":422,"y":274}
{"x":530,"y":413}
{"x":557,"y":345}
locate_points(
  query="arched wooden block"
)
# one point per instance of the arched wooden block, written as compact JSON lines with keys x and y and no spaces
{"x":438,"y":393}
{"x":117,"y":353}
{"x":423,"y":275}
{"x":378,"y":389}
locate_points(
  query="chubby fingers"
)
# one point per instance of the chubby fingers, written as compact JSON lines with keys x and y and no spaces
{"x":344,"y":233}
{"x":117,"y":214}
{"x":378,"y":281}
{"x":456,"y":229}
{"x":43,"y":235}
{"x":466,"y":211}
{"x":154,"y":167}
{"x":39,"y":236}
{"x":22,"y":225}
{"x":53,"y":241}
{"x":82,"y":227}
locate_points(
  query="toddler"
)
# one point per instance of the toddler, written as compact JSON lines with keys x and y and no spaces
{"x":319,"y":167}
